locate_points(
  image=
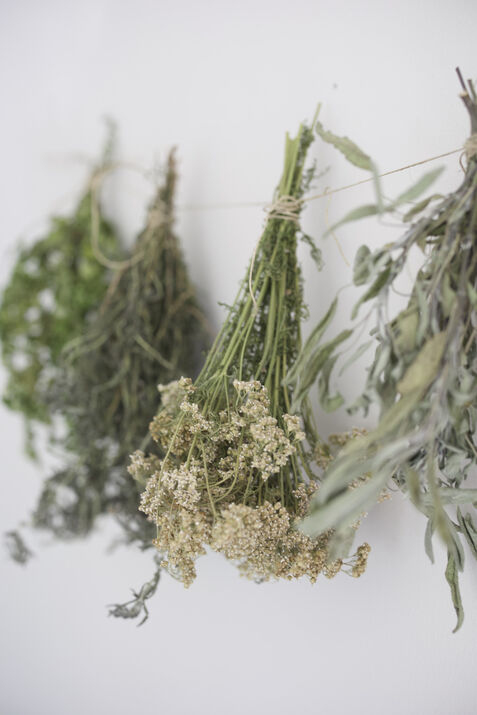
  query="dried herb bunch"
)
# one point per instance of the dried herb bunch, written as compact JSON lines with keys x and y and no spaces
{"x":54,"y":289}
{"x":423,"y":377}
{"x":235,"y":474}
{"x":148,"y":330}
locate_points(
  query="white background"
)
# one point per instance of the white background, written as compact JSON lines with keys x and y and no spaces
{"x":224,"y":81}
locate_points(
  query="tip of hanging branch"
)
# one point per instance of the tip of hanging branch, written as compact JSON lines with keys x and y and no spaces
{"x":469,"y":97}
{"x":315,"y":116}
{"x":110,"y":141}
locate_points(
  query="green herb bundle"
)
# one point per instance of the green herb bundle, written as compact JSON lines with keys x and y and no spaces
{"x":148,"y":330}
{"x":235,"y":473}
{"x":55,"y":287}
{"x":423,"y":377}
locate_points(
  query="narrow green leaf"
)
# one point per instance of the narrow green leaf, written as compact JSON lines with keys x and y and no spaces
{"x":356,"y":355}
{"x":405,"y":329}
{"x":346,"y":508}
{"x":418,"y":188}
{"x":339,"y":546}
{"x":413,"y":485}
{"x":428,"y":540}
{"x":311,"y":343}
{"x":361,"y":266}
{"x":373,"y":291}
{"x":420,"y":207}
{"x":327,"y":401}
{"x":354,"y":462}
{"x":452,"y":578}
{"x":354,"y":215}
{"x":309,"y":371}
{"x":423,"y":369}
{"x":450,"y":495}
{"x":315,"y":252}
{"x":423,"y":310}
{"x":348,"y":148}
{"x":448,"y":296}
{"x":469,"y":530}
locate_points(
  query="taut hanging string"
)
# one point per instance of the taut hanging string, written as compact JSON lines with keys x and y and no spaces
{"x":327,"y":192}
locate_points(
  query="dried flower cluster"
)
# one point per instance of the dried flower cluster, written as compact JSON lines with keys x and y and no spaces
{"x":235,"y":474}
{"x":222,"y":495}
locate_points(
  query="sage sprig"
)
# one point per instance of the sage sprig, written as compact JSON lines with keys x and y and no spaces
{"x":423,"y":377}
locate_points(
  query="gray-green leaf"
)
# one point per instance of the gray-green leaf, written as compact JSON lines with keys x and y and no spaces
{"x":348,"y":148}
{"x":452,"y":578}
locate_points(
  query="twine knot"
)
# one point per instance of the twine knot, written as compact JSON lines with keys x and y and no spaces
{"x":285,"y":207}
{"x":159,"y":215}
{"x":470,"y":147}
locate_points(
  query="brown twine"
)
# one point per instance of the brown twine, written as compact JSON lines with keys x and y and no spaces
{"x":156,"y":216}
{"x":314,"y":197}
{"x":251,"y":204}
{"x":333,"y":234}
{"x":285,"y":207}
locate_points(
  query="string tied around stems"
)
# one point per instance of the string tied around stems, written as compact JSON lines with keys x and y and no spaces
{"x":157,"y":216}
{"x":285,"y":207}
{"x":470,"y":147}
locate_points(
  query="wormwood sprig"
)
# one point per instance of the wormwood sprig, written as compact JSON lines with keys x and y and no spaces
{"x":423,"y":377}
{"x":136,"y":606}
{"x":148,"y":329}
{"x":235,"y":473}
{"x":54,"y":289}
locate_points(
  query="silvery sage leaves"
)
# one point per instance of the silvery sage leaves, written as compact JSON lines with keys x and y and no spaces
{"x":423,"y":378}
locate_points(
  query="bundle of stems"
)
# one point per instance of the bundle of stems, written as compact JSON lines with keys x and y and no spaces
{"x":54,"y":290}
{"x":148,"y":329}
{"x":235,"y":473}
{"x":423,"y":378}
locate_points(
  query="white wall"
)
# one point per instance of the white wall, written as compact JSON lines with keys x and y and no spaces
{"x":223,"y":81}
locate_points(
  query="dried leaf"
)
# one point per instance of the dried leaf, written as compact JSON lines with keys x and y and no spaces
{"x":418,"y":188}
{"x":314,"y":366}
{"x":452,"y":577}
{"x":423,"y":369}
{"x":356,"y":355}
{"x":311,"y":343}
{"x":362,"y":268}
{"x":348,"y":148}
{"x":327,"y":401}
{"x":354,"y":215}
{"x":428,"y":539}
{"x":420,"y":207}
{"x":469,"y":530}
{"x":374,"y":290}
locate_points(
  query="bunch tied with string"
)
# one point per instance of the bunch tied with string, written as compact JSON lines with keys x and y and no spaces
{"x":423,"y":377}
{"x":53,"y":292}
{"x":147,"y":330}
{"x":235,"y":472}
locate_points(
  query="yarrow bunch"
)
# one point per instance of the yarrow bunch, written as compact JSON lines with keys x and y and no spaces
{"x":235,"y":472}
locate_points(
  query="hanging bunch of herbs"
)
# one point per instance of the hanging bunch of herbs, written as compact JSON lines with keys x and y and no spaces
{"x":54,"y":290}
{"x":234,"y":473}
{"x":423,"y":376}
{"x":148,"y":330}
